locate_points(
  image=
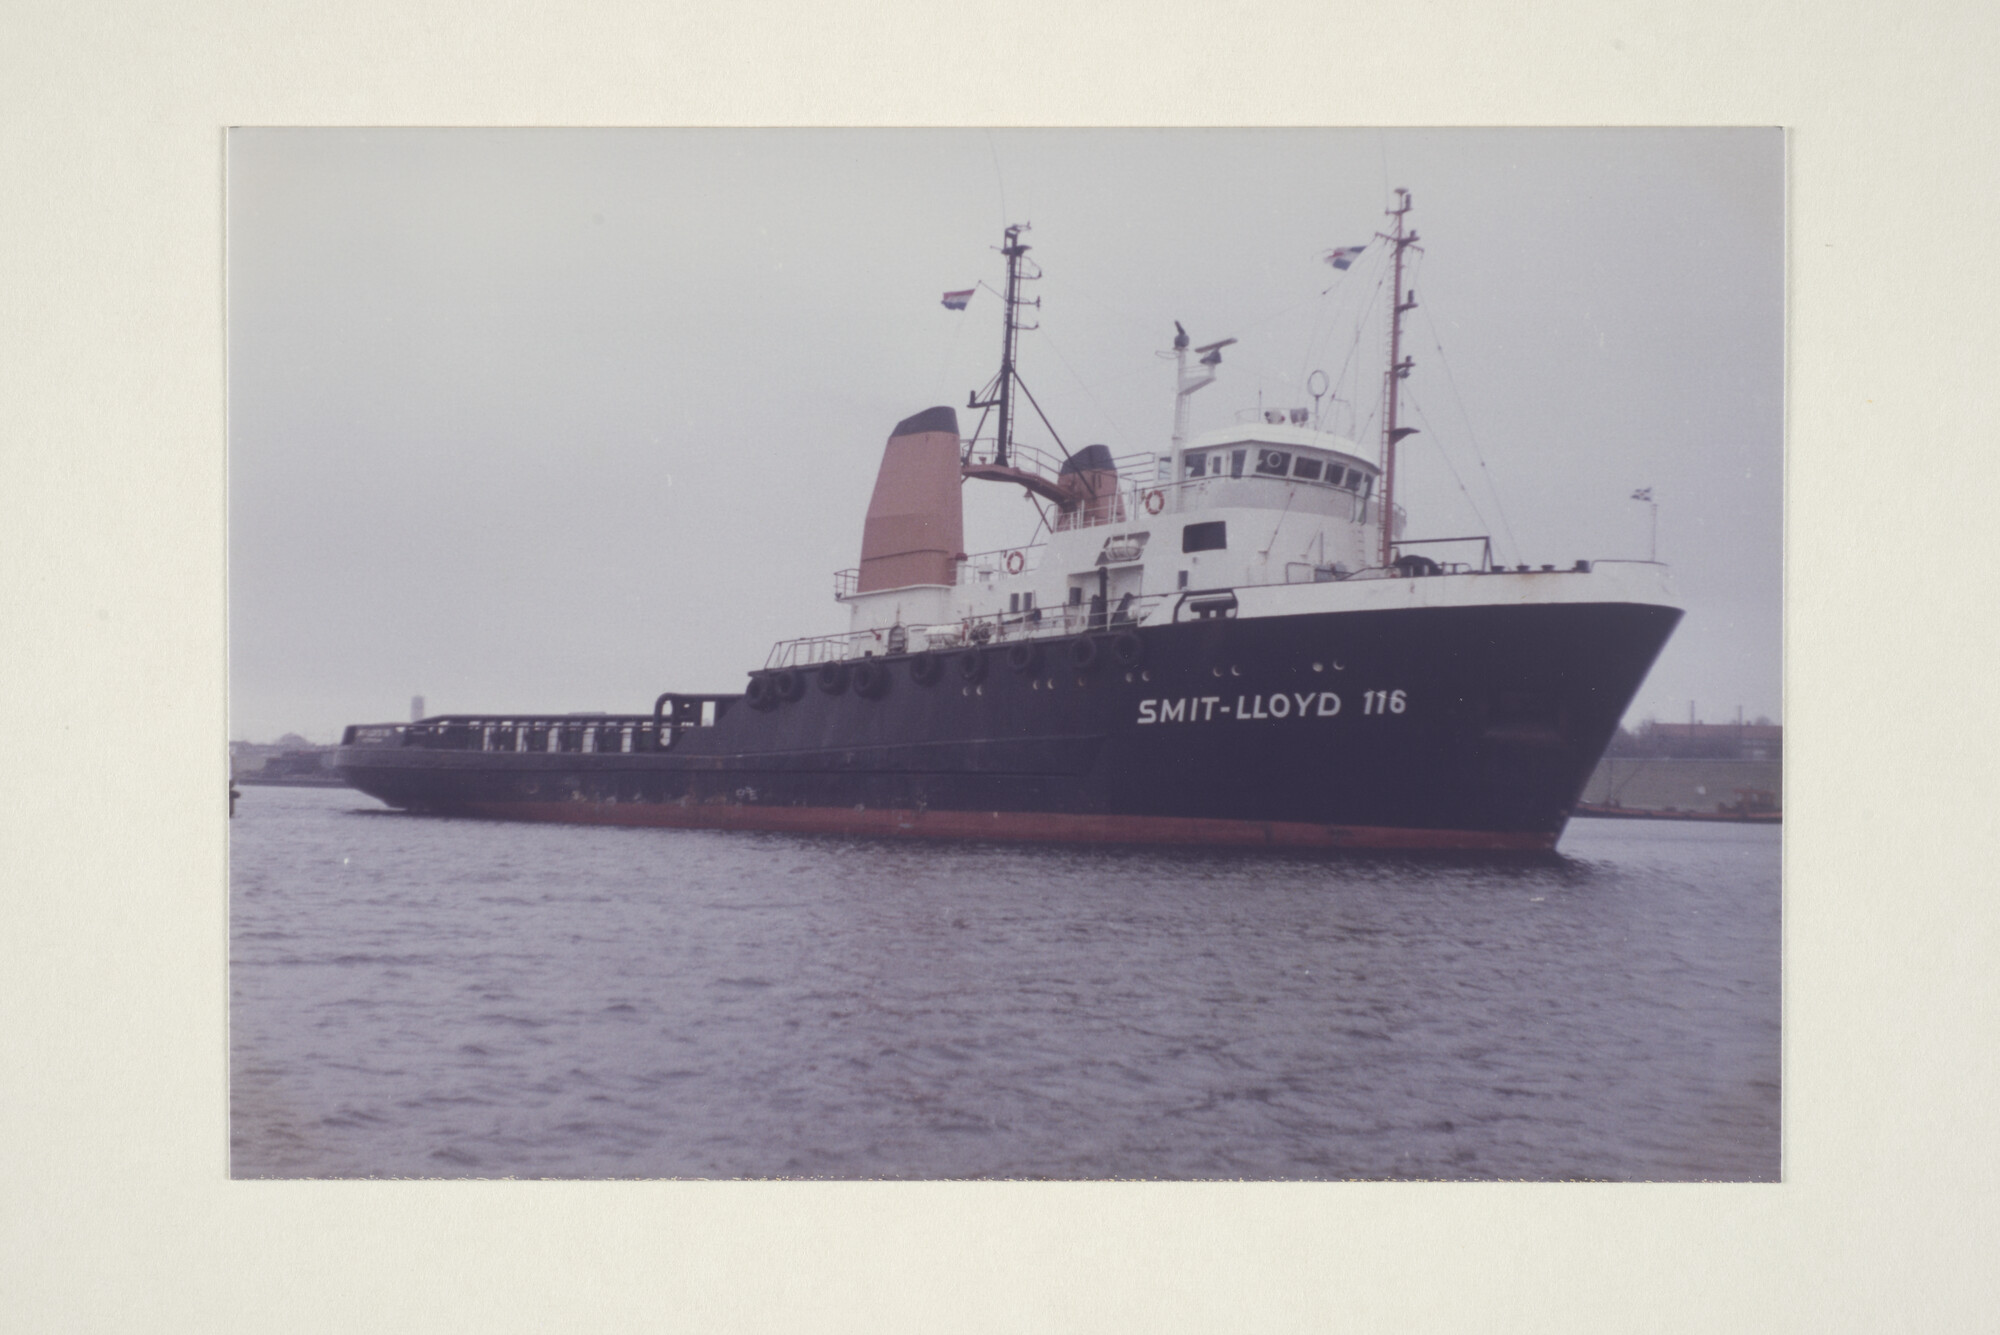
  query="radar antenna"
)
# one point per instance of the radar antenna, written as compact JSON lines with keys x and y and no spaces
{"x":1186,"y":382}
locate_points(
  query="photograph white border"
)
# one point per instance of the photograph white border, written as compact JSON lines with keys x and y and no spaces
{"x":120,"y":1211}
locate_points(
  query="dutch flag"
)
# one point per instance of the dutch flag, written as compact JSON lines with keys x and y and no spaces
{"x":955,"y":301}
{"x":1343,"y":257}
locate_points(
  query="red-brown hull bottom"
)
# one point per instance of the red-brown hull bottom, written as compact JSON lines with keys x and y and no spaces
{"x":1016,"y":826}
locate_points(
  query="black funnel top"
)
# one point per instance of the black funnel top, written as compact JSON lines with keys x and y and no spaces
{"x":930,"y":419}
{"x":1089,"y":459}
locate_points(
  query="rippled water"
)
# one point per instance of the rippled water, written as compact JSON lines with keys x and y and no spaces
{"x":415,"y":996}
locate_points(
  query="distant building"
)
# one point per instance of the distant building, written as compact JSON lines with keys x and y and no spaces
{"x":416,"y":709}
{"x":1703,"y":741}
{"x":290,"y":761}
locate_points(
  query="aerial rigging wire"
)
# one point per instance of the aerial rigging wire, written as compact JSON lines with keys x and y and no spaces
{"x":998,"y":179}
{"x":1124,"y":437}
{"x":1354,"y":346}
{"x":1068,"y":285}
{"x":1337,"y":289}
{"x":1410,"y":398}
{"x":1471,"y":436}
{"x":1044,"y":416}
{"x":950,"y":356}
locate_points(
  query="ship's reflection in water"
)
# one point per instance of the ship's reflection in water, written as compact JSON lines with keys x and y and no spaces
{"x":414,"y":996}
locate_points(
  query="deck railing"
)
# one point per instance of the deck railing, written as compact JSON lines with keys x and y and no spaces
{"x":978,"y":568}
{"x":1034,"y":459}
{"x":985,"y":567}
{"x":575,"y":734}
{"x":991,"y":629}
{"x":594,"y":733}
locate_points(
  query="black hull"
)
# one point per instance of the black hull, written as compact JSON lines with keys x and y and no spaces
{"x":1440,"y":727}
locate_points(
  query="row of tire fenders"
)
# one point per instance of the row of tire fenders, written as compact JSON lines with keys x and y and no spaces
{"x":869,"y":678}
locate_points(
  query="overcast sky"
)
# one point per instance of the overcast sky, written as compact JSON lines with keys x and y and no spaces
{"x":555,"y":420}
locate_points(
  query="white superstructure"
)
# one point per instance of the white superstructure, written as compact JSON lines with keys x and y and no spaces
{"x":1264,"y":518}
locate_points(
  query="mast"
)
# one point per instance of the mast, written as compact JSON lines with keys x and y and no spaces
{"x":1399,"y":367}
{"x":1182,"y":389}
{"x":999,"y":391}
{"x":1186,"y":384}
{"x":1003,"y":388}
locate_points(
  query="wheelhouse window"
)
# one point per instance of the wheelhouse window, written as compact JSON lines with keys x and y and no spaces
{"x":1273,"y":462}
{"x":1306,"y":468}
{"x":1195,"y":465}
{"x":1209,"y":537}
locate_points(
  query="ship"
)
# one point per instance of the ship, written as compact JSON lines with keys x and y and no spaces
{"x":1229,"y":641}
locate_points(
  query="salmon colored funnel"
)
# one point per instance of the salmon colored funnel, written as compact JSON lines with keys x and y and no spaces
{"x":915,"y":531}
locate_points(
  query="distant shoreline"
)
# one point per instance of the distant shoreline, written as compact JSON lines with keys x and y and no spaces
{"x":288,"y":781}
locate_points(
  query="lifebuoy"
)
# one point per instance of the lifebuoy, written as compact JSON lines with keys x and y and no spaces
{"x":1016,"y":563}
{"x":1154,"y":501}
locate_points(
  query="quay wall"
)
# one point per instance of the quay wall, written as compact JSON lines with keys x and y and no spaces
{"x":1689,"y":785}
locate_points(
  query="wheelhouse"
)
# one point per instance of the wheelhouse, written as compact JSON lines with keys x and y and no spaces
{"x":1276,"y":454}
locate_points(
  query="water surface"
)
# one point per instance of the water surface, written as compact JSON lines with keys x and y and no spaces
{"x":418,"y":996}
